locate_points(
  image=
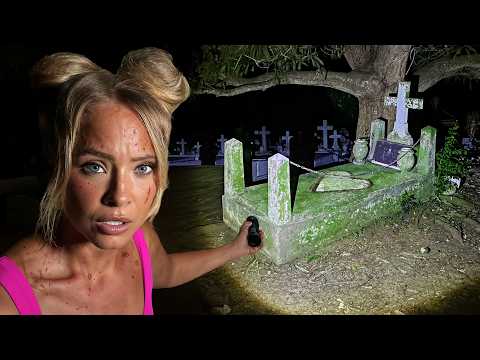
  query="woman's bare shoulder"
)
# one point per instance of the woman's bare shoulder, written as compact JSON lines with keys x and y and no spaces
{"x":152,"y":239}
{"x":28,"y":251}
{"x":19,"y":253}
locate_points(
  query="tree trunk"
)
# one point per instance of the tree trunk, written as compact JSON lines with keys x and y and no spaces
{"x":370,"y":108}
{"x":389,"y":66}
{"x":376,"y":71}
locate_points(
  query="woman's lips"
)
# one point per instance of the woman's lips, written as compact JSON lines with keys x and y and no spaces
{"x":109,"y":229}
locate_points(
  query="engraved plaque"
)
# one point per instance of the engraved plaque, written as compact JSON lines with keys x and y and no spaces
{"x":386,"y":153}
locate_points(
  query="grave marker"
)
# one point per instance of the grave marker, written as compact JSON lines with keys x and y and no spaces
{"x":182,"y":143}
{"x":324,"y":130}
{"x":263,"y":133}
{"x":400,"y":132}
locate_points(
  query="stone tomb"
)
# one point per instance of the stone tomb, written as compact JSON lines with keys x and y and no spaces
{"x":319,"y":218}
{"x":183,"y":158}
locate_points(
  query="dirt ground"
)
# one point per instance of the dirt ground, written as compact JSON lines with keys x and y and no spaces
{"x":423,"y":261}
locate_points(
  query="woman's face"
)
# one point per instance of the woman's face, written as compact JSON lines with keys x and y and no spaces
{"x":112,"y":183}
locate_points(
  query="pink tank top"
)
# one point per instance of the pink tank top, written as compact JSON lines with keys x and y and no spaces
{"x":16,"y":285}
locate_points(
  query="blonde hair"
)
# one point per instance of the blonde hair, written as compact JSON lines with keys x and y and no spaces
{"x":54,"y":70}
{"x":148,"y":83}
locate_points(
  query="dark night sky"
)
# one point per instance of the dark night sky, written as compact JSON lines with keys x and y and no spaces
{"x":280,"y":108}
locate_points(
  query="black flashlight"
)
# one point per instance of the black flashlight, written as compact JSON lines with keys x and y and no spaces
{"x":253,"y":236}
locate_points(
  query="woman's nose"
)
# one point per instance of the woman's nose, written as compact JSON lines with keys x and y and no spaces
{"x":118,"y":192}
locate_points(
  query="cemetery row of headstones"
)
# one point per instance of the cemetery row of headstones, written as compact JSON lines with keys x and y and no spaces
{"x":333,"y":147}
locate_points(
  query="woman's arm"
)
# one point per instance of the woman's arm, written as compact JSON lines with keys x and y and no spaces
{"x":170,"y":270}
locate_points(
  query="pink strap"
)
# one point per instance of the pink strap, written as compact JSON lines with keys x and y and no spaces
{"x":146,"y":269}
{"x":16,"y":285}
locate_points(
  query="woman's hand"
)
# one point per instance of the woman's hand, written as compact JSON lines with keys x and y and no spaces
{"x":239,"y":245}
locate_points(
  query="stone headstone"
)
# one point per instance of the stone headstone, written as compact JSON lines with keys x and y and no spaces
{"x":377,"y":132}
{"x":196,"y":150}
{"x":222,"y":144}
{"x":182,"y":143}
{"x":400,"y":132}
{"x":426,"y":152}
{"x":324,"y":130}
{"x":233,"y":177}
{"x":335,"y":138}
{"x":279,"y":202}
{"x":263,"y":133}
{"x":287,"y":138}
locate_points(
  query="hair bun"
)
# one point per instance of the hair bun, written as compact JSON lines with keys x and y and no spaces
{"x":154,"y":71}
{"x":53,"y":70}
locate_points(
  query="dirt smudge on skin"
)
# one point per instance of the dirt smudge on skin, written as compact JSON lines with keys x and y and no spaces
{"x":148,"y":195}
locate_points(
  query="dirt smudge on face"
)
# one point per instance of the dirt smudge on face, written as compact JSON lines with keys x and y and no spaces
{"x":148,"y":194}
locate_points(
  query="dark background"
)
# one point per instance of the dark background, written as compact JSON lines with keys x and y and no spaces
{"x":202,"y":117}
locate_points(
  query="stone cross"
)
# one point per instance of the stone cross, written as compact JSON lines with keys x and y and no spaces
{"x":324,"y":130}
{"x":335,"y":138}
{"x":196,"y":149}
{"x":182,"y":144}
{"x":287,"y":138}
{"x":222,"y":144}
{"x":403,"y":103}
{"x":264,"y":133}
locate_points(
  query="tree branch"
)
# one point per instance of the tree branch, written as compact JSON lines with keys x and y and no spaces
{"x":354,"y":83}
{"x":430,"y":74}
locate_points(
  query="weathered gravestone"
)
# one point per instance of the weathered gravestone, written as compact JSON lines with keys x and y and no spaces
{"x":184,"y":159}
{"x":263,"y":147}
{"x":319,"y":217}
{"x":324,"y":155}
{"x":221,"y":151}
{"x":400,"y":132}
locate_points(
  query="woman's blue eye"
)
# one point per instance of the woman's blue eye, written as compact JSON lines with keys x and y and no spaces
{"x":144,"y":169}
{"x":93,"y":168}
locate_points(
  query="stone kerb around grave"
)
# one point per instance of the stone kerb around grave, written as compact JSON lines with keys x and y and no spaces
{"x":317,"y":219}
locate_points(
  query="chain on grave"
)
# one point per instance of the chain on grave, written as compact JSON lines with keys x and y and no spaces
{"x":323,"y":172}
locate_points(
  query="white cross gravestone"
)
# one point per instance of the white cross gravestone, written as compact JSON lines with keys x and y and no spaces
{"x":184,"y":159}
{"x":264,"y":133}
{"x":287,"y":138}
{"x":400,"y":133}
{"x":196,"y":149}
{"x":222,"y":144}
{"x":324,"y":130}
{"x":182,"y":143}
{"x":335,"y":138}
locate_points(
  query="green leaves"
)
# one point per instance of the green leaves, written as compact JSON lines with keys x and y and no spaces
{"x":424,"y":54}
{"x":222,"y":64}
{"x":451,"y":161}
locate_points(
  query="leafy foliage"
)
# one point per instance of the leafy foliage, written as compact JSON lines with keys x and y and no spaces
{"x":451,"y":161}
{"x":223,"y":64}
{"x":424,"y":54}
{"x":408,"y":201}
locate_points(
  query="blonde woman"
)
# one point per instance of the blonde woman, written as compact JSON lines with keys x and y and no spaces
{"x":95,"y":250}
